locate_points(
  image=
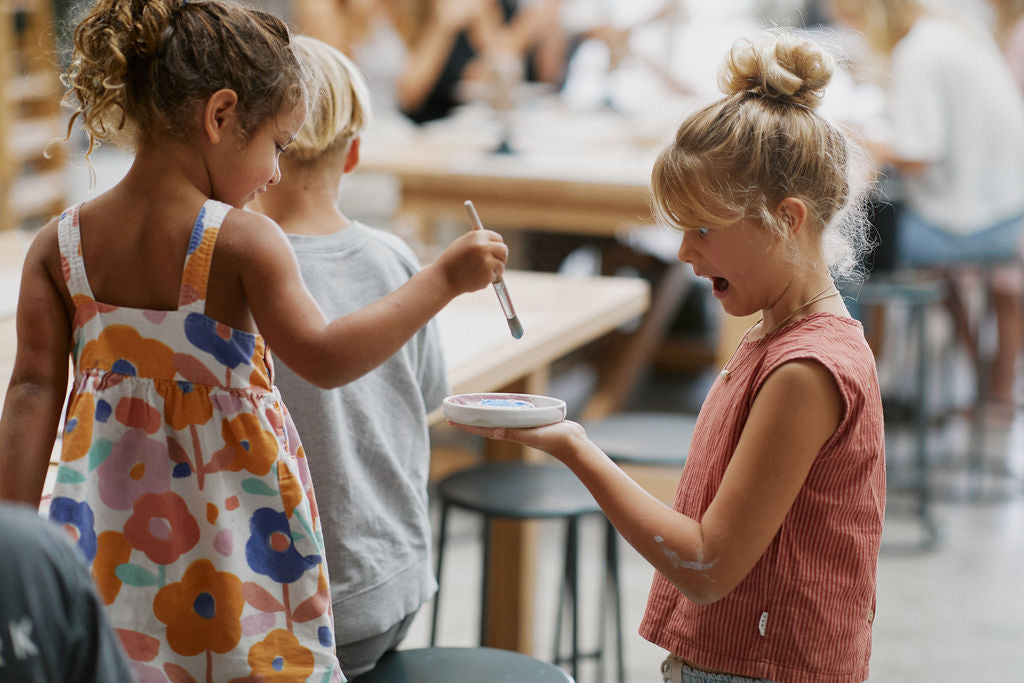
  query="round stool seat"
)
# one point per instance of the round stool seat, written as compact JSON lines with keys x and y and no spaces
{"x":518,"y":490}
{"x":461,"y":665}
{"x":643,"y":438}
{"x":883,"y":289}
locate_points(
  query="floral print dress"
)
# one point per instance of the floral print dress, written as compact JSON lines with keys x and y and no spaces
{"x":184,"y":483}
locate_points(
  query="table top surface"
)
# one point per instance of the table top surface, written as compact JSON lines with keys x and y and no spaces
{"x":549,"y":144}
{"x":559,"y":313}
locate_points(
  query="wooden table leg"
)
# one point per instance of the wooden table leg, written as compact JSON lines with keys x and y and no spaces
{"x":513,"y":559}
{"x":628,"y":368}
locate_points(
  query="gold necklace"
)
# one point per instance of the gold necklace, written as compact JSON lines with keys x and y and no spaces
{"x":726,"y":372}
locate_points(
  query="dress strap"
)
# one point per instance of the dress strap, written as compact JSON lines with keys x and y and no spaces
{"x":69,"y":239}
{"x":200,"y":254}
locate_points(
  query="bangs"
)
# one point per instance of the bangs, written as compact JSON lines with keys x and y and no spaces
{"x":686,"y":194}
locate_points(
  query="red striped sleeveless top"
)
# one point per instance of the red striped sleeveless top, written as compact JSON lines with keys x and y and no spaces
{"x":804,"y":612}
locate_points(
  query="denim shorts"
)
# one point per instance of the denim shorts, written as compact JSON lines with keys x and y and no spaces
{"x":675,"y":670}
{"x":922,"y":243}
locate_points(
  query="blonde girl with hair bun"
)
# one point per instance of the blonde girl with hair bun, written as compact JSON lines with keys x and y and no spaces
{"x":367,"y":441}
{"x":182,"y":478}
{"x":766,"y":561}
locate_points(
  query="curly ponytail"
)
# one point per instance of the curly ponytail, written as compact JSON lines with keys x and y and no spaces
{"x":141,"y":68}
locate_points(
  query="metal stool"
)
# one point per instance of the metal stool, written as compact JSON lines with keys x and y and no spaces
{"x":461,"y":665}
{"x":640,"y":438}
{"x":644,"y":438}
{"x":982,"y":484}
{"x":525,"y":491}
{"x":917,"y":294}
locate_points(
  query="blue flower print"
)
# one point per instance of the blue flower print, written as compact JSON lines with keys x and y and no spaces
{"x":196,"y":238}
{"x":79,"y":516}
{"x":270,"y":550}
{"x":207,"y":334}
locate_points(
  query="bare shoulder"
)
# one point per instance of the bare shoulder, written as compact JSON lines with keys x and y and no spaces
{"x":44,"y":251}
{"x":251,"y":236}
{"x":803,"y":373}
{"x":802,"y":387}
{"x":45,"y":238}
{"x":255,"y":249}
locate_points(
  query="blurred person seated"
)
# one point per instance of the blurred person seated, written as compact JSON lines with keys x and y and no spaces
{"x":415,"y":53}
{"x":1009,"y":30}
{"x":956,"y":131}
{"x":625,"y":56}
{"x":52,"y":623}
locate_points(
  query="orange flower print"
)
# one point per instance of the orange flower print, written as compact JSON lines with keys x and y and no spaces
{"x":281,"y":657}
{"x":185,"y":403}
{"x":162,"y":527}
{"x":202,"y":611}
{"x":112,"y":551}
{"x":290,"y":487}
{"x":247,"y":446}
{"x":121,"y":349}
{"x":78,"y":427}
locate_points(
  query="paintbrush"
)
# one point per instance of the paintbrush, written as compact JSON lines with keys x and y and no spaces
{"x":514,"y":326}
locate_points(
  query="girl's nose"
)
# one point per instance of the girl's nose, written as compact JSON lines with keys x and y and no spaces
{"x":276,"y":178}
{"x":685,"y":253}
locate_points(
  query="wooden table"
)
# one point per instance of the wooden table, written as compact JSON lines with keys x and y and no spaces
{"x":513,"y":192}
{"x":580,"y":172}
{"x":559,"y":314}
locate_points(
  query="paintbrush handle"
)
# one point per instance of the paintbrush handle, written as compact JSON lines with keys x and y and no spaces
{"x":514,"y":326}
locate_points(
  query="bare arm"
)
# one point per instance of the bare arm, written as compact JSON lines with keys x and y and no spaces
{"x":795,"y":413}
{"x":39,"y":381}
{"x":332,"y":353}
{"x":429,"y":55}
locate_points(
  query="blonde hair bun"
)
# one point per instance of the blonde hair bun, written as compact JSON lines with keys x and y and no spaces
{"x":778,"y":66}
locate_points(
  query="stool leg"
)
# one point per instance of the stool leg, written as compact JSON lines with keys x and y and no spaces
{"x":572,"y":573}
{"x":917,"y":324}
{"x":976,"y":463}
{"x":485,"y":580}
{"x":559,"y":614}
{"x":568,"y":593}
{"x":442,"y":533}
{"x":611,"y":551}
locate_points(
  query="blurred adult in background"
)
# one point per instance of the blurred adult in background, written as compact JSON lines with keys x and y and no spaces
{"x":1009,"y":28}
{"x":956,"y":136}
{"x":415,"y":53}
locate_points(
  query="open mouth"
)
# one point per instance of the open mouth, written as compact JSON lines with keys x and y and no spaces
{"x":719,"y":284}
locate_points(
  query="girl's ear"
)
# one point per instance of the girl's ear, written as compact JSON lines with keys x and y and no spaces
{"x":794,"y":212}
{"x":352,"y":157}
{"x":219,"y":113}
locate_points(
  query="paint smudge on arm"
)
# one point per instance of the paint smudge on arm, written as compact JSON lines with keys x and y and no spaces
{"x":678,"y":563}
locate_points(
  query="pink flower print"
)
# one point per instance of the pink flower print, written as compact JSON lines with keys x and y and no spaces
{"x":136,"y":465}
{"x":162,"y":527}
{"x":229,"y":404}
{"x":136,"y":413}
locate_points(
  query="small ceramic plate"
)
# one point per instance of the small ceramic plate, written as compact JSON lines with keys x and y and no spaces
{"x":503,"y":410}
